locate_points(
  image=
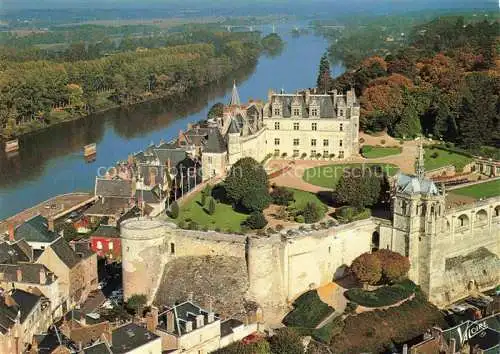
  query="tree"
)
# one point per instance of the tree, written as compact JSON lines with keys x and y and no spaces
{"x":367,"y":268}
{"x":324,"y":76}
{"x":255,"y":221}
{"x":174,"y":210}
{"x":136,"y":303}
{"x":286,"y":340}
{"x":360,"y":189}
{"x":394,"y":265}
{"x":247,"y":178}
{"x":216,"y":111}
{"x":68,"y":230}
{"x":311,"y":213}
{"x":211,"y":206}
{"x":256,"y":201}
{"x":282,"y":195}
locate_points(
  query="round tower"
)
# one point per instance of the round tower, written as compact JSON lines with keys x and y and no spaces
{"x":145,"y":247}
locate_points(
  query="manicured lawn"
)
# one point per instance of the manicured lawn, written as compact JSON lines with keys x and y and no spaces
{"x":383,"y":296}
{"x":444,"y":158}
{"x":303,"y":197}
{"x":481,"y":190}
{"x":224,"y":218}
{"x":308,"y":311}
{"x":327,"y":176}
{"x":372,"y":152}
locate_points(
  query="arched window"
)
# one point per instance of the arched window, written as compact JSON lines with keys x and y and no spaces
{"x":497,"y":211}
{"x":375,"y":241}
{"x":463,"y":221}
{"x":481,"y":217}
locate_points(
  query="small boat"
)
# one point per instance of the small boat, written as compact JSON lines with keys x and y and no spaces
{"x":89,"y":150}
{"x":12,"y":145}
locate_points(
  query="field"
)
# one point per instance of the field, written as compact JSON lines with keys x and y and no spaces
{"x":327,"y":176}
{"x":481,"y":190}
{"x":373,"y":152}
{"x":224,"y":218}
{"x":436,"y":158}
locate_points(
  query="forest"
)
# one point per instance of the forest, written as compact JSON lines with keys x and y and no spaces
{"x":444,"y":83}
{"x":37,"y":89}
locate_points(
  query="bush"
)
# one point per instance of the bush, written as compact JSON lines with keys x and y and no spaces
{"x":193,"y":225}
{"x":311,"y":213}
{"x":394,"y":265}
{"x":287,"y":341}
{"x":300,"y":219}
{"x":256,"y":220}
{"x":308,"y":311}
{"x":383,"y":296}
{"x":347,"y":214}
{"x":136,"y":303}
{"x":279,"y":227}
{"x":351,"y":308}
{"x":260,"y":347}
{"x":182,"y":224}
{"x":174,"y":210}
{"x":211,"y":206}
{"x":361,"y":140}
{"x":257,"y":201}
{"x":367,"y":268}
{"x":304,"y":155}
{"x":434,"y":155}
{"x":382,"y":141}
{"x":282,"y":196}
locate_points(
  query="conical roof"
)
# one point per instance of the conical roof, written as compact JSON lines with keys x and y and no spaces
{"x":235,"y":97}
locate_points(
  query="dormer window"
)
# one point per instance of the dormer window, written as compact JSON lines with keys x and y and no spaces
{"x":296,"y":112}
{"x":341,"y":112}
{"x":276,"y":111}
{"x":314,"y":112}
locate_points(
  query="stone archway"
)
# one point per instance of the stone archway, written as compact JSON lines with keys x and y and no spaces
{"x":375,"y":241}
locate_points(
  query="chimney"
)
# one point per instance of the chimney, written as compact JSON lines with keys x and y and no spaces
{"x":190,"y":296}
{"x":152,"y":319}
{"x":189,"y":326}
{"x":308,"y":96}
{"x":50,"y":224}
{"x":43,"y":276}
{"x":12,"y":232}
{"x":170,"y":321}
{"x":211,"y":317}
{"x":152,"y":177}
{"x":200,"y":321}
{"x":19,"y":274}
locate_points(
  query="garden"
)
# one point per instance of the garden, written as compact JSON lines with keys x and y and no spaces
{"x":373,"y":152}
{"x":437,"y":157}
{"x":480,"y":190}
{"x":329,"y":175}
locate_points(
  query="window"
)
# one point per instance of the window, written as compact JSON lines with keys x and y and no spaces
{"x":295,"y":126}
{"x":313,"y":142}
{"x":341,"y":154}
{"x":325,"y":142}
{"x":296,"y":112}
{"x":276,"y":141}
{"x":276,"y":125}
{"x":314,"y":112}
{"x":340,"y":142}
{"x":341,"y":113}
{"x":341,"y":127}
{"x":314,"y":126}
{"x":99,"y":245}
{"x":209,"y":159}
{"x":313,"y":153}
{"x":296,"y":142}
{"x":325,"y":153}
{"x":295,"y":153}
{"x":276,"y":111}
{"x":172,"y":248}
{"x":110,"y":246}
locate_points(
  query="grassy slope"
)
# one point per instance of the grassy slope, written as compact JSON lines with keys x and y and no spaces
{"x":481,"y":190}
{"x":327,"y":176}
{"x":372,"y":152}
{"x":445,"y":158}
{"x":303,"y":197}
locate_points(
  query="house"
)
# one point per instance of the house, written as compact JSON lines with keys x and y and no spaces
{"x":22,"y":315}
{"x":187,"y":328}
{"x":105,"y":242}
{"x":134,"y":339}
{"x":37,"y":231}
{"x":77,"y":270}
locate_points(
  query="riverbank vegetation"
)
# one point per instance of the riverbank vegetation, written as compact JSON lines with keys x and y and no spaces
{"x":442,"y":80}
{"x":88,"y":77}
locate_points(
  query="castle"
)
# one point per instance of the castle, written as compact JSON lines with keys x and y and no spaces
{"x":299,"y":125}
{"x":453,"y":251}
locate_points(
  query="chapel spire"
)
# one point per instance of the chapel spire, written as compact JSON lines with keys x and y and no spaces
{"x":235,"y":97}
{"x":420,"y":168}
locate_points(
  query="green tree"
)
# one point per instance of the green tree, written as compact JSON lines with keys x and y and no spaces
{"x":216,"y":111}
{"x":367,"y":268}
{"x":174,"y":210}
{"x":286,"y":340}
{"x":136,"y":303}
{"x":324,"y":76}
{"x":282,"y":195}
{"x":68,"y":231}
{"x":211,"y":206}
{"x":256,"y":220}
{"x":247,"y":177}
{"x":360,"y":189}
{"x":256,"y":201}
{"x":312,"y":213}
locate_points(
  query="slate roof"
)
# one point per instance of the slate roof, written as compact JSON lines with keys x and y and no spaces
{"x":65,"y":253}
{"x":186,"y":311}
{"x":113,"y":188}
{"x":8,"y":315}
{"x":25,"y":301}
{"x":147,"y":196}
{"x":227,"y":326}
{"x":82,"y":249}
{"x":215,"y":143}
{"x":174,"y":155}
{"x":106,"y":231}
{"x":108,"y":206}
{"x":146,"y":170}
{"x":129,"y":337}
{"x":30,"y":272}
{"x":99,"y":348}
{"x":287,"y":102}
{"x":12,"y":253}
{"x":35,"y":230}
{"x":414,"y":185}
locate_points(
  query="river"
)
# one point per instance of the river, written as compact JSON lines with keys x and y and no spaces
{"x":51,"y":162}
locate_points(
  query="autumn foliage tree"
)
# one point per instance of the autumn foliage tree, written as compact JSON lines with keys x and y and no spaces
{"x":394,"y":265}
{"x":367,"y":268}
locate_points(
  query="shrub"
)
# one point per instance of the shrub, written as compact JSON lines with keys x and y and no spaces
{"x":217,"y":229}
{"x":311,"y":213}
{"x":174,"y":210}
{"x":383,"y":296}
{"x":332,"y":156}
{"x":308,"y":311}
{"x":211,"y":206}
{"x":282,"y":196}
{"x":382,"y":141}
{"x":283,"y":155}
{"x":259,"y":347}
{"x":304,"y":155}
{"x":256,"y":220}
{"x":351,"y":307}
{"x":282,"y":213}
{"x":286,"y":340}
{"x":361,"y":140}
{"x":434,"y":155}
{"x":256,"y":201}
{"x":279,"y":227}
{"x":347,"y":214}
{"x":182,"y":224}
{"x":193,"y":225}
{"x":367,"y":268}
{"x":300,"y":219}
{"x":136,"y":303}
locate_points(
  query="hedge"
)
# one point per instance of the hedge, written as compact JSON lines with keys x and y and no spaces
{"x":308,"y":311}
{"x":383,"y":296}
